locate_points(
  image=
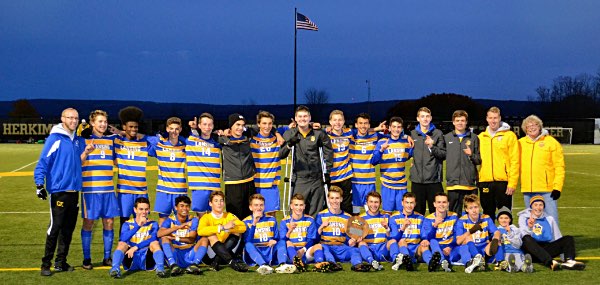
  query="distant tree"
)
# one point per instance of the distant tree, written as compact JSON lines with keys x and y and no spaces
{"x":316,"y":100}
{"x":22,"y":108}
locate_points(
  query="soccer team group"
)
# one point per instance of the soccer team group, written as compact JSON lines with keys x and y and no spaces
{"x":332,"y":177}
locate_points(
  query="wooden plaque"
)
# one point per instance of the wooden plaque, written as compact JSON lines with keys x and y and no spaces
{"x":357,"y":228}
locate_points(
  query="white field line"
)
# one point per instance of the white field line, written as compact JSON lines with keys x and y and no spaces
{"x":584,"y":173}
{"x":22,"y":167}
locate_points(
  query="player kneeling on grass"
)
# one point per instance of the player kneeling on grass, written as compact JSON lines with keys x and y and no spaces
{"x":543,"y":240}
{"x":510,"y":245}
{"x":223,"y":230}
{"x":438,"y":229}
{"x":375,"y":247}
{"x":297,"y":245}
{"x":179,"y":238}
{"x":477,"y":236}
{"x":261,"y":237}
{"x":337,"y":246}
{"x":406,"y":228}
{"x":137,"y":236}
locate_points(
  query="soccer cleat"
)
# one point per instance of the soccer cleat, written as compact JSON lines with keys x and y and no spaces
{"x":176,"y":270}
{"x":161,"y":273}
{"x":239,"y":266}
{"x":300,"y":266}
{"x":115,"y":274}
{"x":264,"y":269}
{"x":398,"y":261}
{"x":555,"y":266}
{"x":527,"y":264}
{"x":286,"y":269}
{"x":434,"y":263}
{"x":107,"y":262}
{"x":323,"y":267}
{"x":482,"y":265}
{"x":375,"y":264}
{"x":473,"y":263}
{"x":446,"y":266}
{"x":336,"y":267}
{"x":46,"y":271}
{"x":502,"y":266}
{"x":571,"y":264}
{"x":512,"y":266}
{"x":63,"y":267}
{"x":407,"y":260}
{"x":87,"y":264}
{"x":214,"y":265}
{"x":193,"y":269}
{"x":361,"y":267}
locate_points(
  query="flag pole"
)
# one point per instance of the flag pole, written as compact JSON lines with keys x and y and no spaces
{"x":295,"y":35}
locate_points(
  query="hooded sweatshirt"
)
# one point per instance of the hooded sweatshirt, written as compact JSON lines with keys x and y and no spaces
{"x":544,"y":228}
{"x":499,"y":155}
{"x":542,"y":164}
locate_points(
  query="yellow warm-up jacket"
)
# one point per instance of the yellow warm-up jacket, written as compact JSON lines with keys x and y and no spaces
{"x":542,"y":164}
{"x":209,"y":225}
{"x":499,"y":156}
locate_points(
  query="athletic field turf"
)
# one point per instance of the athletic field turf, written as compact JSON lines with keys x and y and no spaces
{"x":24,"y":219}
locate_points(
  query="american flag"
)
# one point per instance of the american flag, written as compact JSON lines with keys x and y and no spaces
{"x":304,"y":23}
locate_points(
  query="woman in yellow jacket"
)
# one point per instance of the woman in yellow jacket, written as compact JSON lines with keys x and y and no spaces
{"x":542,"y":165}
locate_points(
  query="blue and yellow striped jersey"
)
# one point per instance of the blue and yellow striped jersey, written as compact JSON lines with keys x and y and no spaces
{"x":342,"y":169}
{"x":444,"y":233}
{"x":264,"y":231}
{"x":412,"y":233}
{"x":265,"y":152}
{"x":392,"y":162}
{"x":479,"y":237}
{"x":335,"y":232}
{"x":203,"y":158}
{"x":172,"y":222}
{"x":361,"y":149}
{"x":140,"y":236}
{"x":171,"y":166}
{"x":377,"y":232}
{"x":97,"y":175}
{"x":304,"y":233}
{"x":132,"y":159}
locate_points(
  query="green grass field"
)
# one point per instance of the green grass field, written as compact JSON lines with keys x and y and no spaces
{"x":24,"y":220}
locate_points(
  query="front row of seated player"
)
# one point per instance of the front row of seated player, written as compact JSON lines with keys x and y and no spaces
{"x":403,"y":238}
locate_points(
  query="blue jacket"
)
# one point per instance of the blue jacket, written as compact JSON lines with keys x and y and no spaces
{"x":59,"y":166}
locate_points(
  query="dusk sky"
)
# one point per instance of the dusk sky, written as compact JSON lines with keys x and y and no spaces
{"x":241,"y":52}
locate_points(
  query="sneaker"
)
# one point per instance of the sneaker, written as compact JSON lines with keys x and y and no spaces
{"x":285,"y":269}
{"x":473,"y":263}
{"x":46,"y":271}
{"x":107,"y":262}
{"x":214,"y":266}
{"x":502,"y":266}
{"x":571,"y":264}
{"x":239,"y":266}
{"x":434,"y":263}
{"x":193,"y":269}
{"x":87,"y":264}
{"x":115,"y":274}
{"x":264,"y":269}
{"x":446,"y":266}
{"x":375,"y":264}
{"x":512,"y":266}
{"x":176,"y":270}
{"x":527,"y":264}
{"x":482,"y":265}
{"x":407,"y":260}
{"x":63,"y":267}
{"x":361,"y":267}
{"x":323,"y":267}
{"x":555,"y":266}
{"x":161,"y":273}
{"x":398,"y":261}
{"x":300,"y":266}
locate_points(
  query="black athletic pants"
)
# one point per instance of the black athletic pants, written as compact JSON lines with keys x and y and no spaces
{"x":455,"y":199}
{"x":346,"y":186}
{"x":493,"y":196}
{"x":314,"y":194}
{"x":425,"y":195}
{"x":64,"y":212}
{"x":544,"y":252}
{"x":236,"y":198}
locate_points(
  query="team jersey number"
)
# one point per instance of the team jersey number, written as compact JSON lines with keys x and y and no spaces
{"x":363,"y":149}
{"x":206,"y":151}
{"x":263,"y":237}
{"x":172,"y":157}
{"x":337,"y":231}
{"x":265,"y":149}
{"x":130,"y":154}
{"x":102,"y":154}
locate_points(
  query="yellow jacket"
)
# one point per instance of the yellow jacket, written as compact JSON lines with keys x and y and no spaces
{"x":499,"y":156}
{"x":542,"y":164}
{"x":209,"y":225}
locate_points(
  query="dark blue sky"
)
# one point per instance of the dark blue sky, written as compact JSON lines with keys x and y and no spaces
{"x":228,"y":52}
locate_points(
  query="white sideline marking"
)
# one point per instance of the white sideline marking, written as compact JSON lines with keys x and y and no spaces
{"x":22,"y":167}
{"x":584,"y":173}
